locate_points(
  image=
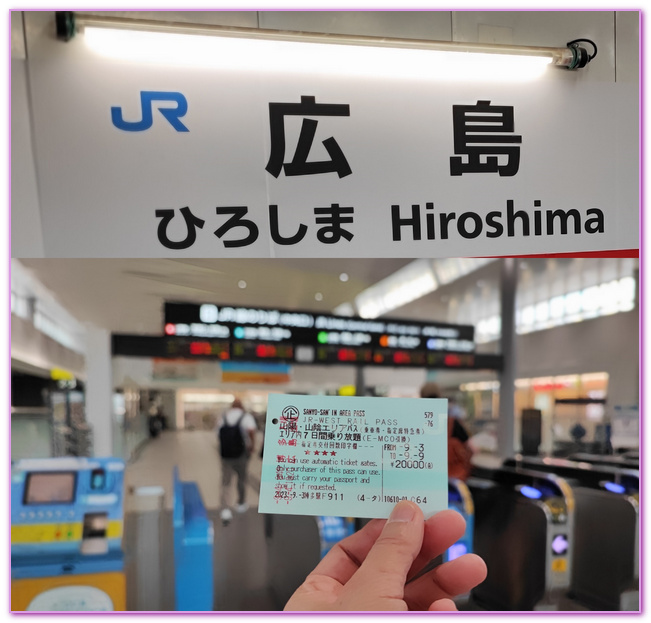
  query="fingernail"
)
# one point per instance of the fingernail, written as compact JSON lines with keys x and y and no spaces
{"x":404,"y":511}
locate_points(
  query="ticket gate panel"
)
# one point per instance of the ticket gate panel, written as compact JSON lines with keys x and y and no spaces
{"x":293,"y":550}
{"x":611,"y":460}
{"x":193,"y":548}
{"x":523,"y":530}
{"x":504,"y":540}
{"x":605,"y":560}
{"x":605,"y":556}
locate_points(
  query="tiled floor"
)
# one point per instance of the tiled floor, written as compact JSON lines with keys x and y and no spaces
{"x":241,"y":571}
{"x":197,"y":457}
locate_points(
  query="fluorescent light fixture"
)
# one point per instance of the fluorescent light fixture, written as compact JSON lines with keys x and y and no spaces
{"x":208,"y":398}
{"x":345,"y":309}
{"x":242,"y":49}
{"x":480,"y":386}
{"x":593,"y":377}
{"x":450,"y":269}
{"x":404,"y":286}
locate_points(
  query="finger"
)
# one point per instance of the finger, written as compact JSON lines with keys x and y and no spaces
{"x":441,"y":531}
{"x":384,"y":571}
{"x":448,"y":580}
{"x":442,"y":605}
{"x":345,"y":558}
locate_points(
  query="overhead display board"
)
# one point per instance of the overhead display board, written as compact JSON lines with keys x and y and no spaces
{"x":162,"y":347}
{"x":226,"y":333}
{"x":148,"y":159}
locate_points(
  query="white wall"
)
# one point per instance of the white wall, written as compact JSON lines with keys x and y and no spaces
{"x":26,"y":234}
{"x":99,"y":390}
{"x":607,"y":344}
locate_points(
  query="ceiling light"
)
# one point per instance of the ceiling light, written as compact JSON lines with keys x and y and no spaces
{"x":343,"y":277}
{"x":345,"y":309}
{"x":413,"y":281}
{"x":318,"y":296}
{"x":241,"y":284}
{"x":404,"y":286}
{"x":266,"y":50}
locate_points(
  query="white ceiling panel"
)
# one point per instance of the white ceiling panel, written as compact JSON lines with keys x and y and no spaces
{"x":544,"y":28}
{"x":430,"y":25}
{"x":126,"y":295}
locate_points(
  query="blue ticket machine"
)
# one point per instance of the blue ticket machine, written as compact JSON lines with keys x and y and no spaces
{"x":66,"y":535}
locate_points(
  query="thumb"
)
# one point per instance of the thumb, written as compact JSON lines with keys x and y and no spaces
{"x":442,"y":605}
{"x":384,"y":571}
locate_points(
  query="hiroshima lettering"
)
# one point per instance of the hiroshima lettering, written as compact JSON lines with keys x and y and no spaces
{"x":432,"y":224}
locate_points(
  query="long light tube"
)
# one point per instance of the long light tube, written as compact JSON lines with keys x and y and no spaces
{"x":310,"y":58}
{"x":242,"y":49}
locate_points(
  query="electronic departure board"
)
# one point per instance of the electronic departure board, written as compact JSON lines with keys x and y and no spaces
{"x":227,"y":333}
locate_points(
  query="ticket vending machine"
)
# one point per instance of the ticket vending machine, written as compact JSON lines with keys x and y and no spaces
{"x":66,"y":535}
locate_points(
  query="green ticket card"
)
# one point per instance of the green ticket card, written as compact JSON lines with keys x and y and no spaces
{"x":353,"y":456}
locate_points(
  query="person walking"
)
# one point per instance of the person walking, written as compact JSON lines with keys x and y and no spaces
{"x":236,"y":434}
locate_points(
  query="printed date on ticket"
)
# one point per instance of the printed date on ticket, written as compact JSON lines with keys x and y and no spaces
{"x":353,"y":456}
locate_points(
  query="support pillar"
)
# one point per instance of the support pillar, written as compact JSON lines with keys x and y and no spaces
{"x":506,"y":422}
{"x":99,"y":389}
{"x":360,"y":384}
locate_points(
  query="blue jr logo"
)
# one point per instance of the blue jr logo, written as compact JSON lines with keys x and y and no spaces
{"x":173,"y":115}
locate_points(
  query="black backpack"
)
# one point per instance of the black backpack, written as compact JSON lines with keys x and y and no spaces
{"x":231,"y":440}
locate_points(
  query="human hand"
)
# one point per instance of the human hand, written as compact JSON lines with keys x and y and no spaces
{"x":370,"y":570}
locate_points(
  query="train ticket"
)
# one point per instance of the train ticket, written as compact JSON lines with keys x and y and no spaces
{"x":353,"y":456}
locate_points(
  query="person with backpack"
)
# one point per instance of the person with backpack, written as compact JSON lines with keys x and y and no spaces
{"x":236,"y":438}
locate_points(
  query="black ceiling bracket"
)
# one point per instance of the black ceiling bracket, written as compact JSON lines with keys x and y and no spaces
{"x":65,"y":24}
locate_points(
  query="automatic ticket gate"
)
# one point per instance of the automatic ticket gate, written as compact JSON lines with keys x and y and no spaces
{"x":605,"y":571}
{"x":625,"y":461}
{"x":295,"y":544}
{"x":523,"y":530}
{"x":193,"y":548}
{"x":460,"y":500}
{"x":66,"y":535}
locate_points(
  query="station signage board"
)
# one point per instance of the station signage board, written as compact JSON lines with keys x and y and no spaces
{"x":308,"y":337}
{"x":224,"y":351}
{"x":231,"y":334}
{"x":148,"y":160}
